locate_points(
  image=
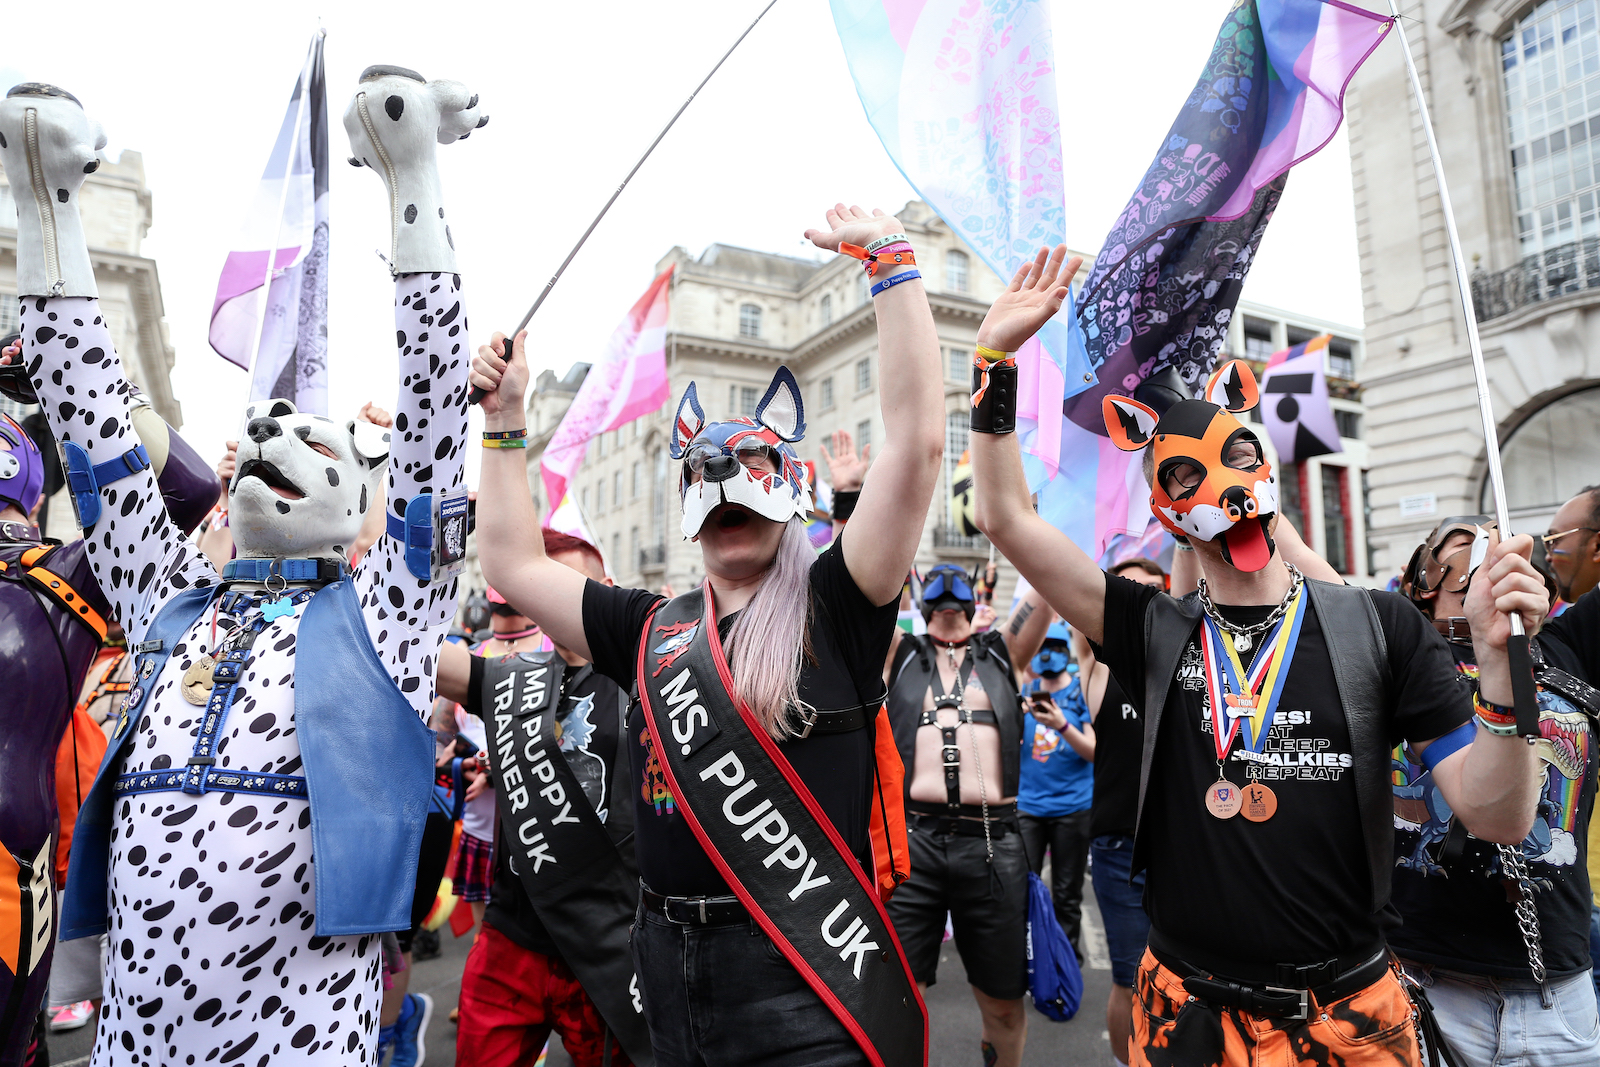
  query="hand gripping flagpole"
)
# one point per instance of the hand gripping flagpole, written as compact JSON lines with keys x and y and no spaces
{"x":1522,"y":685}
{"x":478,"y":394}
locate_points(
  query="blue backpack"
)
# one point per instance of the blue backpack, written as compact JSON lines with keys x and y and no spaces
{"x":1054,"y":980}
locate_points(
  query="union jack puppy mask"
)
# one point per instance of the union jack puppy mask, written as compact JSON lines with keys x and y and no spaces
{"x":1212,"y":479}
{"x":727,"y":457}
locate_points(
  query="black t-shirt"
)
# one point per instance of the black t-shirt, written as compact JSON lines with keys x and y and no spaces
{"x":1118,"y":743}
{"x":850,"y":638}
{"x":1294,"y":889}
{"x":591,"y":725}
{"x":1464,"y":922}
{"x":1577,"y":633}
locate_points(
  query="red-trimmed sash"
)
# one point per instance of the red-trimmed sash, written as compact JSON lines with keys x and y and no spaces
{"x":765,"y":833}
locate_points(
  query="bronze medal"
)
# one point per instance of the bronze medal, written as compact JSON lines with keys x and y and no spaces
{"x":197,"y":681}
{"x":1260,"y":803}
{"x":1223,"y":799}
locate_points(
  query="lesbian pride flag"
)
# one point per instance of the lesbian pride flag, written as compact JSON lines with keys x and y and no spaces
{"x":288,"y":224}
{"x":629,"y":380}
{"x":962,"y":93}
{"x":1167,"y":278}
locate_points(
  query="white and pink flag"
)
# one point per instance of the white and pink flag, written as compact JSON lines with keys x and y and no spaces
{"x":628,"y":381}
{"x":569,"y":519}
{"x":283,"y":339}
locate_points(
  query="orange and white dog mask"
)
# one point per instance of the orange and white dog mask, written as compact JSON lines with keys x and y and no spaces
{"x":1212,"y":479}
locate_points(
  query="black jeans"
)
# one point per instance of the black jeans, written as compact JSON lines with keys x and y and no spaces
{"x":724,"y":996}
{"x":1067,"y":838}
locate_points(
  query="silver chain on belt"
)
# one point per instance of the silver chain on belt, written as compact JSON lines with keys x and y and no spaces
{"x":1527,"y":913}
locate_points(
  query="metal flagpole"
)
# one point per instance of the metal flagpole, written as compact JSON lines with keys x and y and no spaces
{"x":477,"y":394}
{"x":1517,"y":647}
{"x":283,"y":200}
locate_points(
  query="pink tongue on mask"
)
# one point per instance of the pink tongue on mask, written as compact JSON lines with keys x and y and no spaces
{"x":1247,"y":545}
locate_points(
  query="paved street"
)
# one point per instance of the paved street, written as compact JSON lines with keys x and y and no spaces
{"x":952,"y":1015}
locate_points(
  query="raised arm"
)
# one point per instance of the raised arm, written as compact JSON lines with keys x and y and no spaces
{"x":1030,"y":620}
{"x":510,"y":542}
{"x":137,"y":554}
{"x":886,"y":526}
{"x":1059,"y":570}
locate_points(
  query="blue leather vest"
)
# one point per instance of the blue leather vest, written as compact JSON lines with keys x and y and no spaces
{"x":368,"y":763}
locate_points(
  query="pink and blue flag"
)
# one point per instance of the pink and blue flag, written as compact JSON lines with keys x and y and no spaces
{"x":1169,"y":274}
{"x":962,"y":93}
{"x":627,"y":381}
{"x":283,"y":339}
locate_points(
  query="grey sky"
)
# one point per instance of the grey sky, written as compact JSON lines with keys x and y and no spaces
{"x":575,"y":92}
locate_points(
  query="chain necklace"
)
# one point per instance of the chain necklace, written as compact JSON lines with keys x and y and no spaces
{"x":964,"y":715}
{"x":1244,"y":636}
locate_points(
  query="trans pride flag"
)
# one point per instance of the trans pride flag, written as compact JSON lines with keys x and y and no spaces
{"x":963,"y":95}
{"x":288,"y":225}
{"x":1168,"y":275}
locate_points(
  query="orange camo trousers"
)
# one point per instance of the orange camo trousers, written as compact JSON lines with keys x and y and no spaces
{"x":1369,"y":1028}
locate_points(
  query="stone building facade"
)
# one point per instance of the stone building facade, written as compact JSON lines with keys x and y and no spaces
{"x":116,"y":211}
{"x":1514,"y":90}
{"x":736,"y":315}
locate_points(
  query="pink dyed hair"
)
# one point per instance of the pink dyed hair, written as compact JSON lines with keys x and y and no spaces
{"x":771,"y":637}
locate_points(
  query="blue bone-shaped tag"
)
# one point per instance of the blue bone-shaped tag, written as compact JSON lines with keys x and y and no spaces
{"x":276,"y":609}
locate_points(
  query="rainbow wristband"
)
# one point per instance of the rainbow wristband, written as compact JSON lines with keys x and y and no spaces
{"x":894,"y":280}
{"x":1493,"y":715}
{"x":504,"y":435}
{"x":513,"y":442}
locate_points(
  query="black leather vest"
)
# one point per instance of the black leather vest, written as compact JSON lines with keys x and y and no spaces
{"x":910,"y":684}
{"x":1360,"y":658}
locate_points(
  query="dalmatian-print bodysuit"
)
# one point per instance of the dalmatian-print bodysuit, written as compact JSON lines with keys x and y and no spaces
{"x":213,"y":953}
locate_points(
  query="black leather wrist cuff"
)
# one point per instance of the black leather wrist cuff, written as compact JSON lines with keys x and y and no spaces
{"x":844,"y":503}
{"x":994,"y":397}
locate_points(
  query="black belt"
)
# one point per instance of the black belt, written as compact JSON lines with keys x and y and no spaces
{"x":967,"y":822}
{"x":981,"y":716}
{"x":1279,"y":991}
{"x":836,"y":721}
{"x":694,"y":911}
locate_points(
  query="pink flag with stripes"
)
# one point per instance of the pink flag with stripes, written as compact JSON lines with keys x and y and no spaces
{"x":628,"y":381}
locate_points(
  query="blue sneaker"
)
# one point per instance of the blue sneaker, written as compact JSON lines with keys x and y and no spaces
{"x":410,"y":1030}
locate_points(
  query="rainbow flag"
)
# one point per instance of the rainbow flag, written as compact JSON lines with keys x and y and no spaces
{"x":962,"y":93}
{"x":1164,"y":286}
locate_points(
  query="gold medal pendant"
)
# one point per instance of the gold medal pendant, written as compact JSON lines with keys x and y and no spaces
{"x":1260,"y":803}
{"x":197,"y":681}
{"x":1223,"y":799}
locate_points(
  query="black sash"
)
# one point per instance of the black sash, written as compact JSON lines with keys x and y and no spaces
{"x":577,"y":882}
{"x":770,"y":841}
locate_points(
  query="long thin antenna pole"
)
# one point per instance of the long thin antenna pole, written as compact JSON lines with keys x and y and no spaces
{"x":1521,"y":665}
{"x":477,"y":394}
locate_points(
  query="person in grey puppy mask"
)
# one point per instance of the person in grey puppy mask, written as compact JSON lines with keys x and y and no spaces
{"x":276,"y":713}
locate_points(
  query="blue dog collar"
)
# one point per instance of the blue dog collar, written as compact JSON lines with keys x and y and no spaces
{"x":290,"y":570}
{"x":415,"y":534}
{"x":85,"y":478}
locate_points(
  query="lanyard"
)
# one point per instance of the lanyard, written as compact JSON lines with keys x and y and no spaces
{"x":1249,"y":697}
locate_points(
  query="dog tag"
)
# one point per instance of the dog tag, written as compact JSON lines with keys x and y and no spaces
{"x":1223,"y":799}
{"x":277,"y":609}
{"x":197,"y":681}
{"x":1260,"y":803}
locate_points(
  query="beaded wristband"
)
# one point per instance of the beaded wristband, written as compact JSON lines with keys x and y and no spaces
{"x":1498,"y":729}
{"x":895,"y":279}
{"x":991,"y":355}
{"x":504,"y":435}
{"x":1490,"y":712}
{"x":509,"y":442}
{"x":884,"y":242}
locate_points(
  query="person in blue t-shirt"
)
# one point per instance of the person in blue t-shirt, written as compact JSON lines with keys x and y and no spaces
{"x":1057,"y":782}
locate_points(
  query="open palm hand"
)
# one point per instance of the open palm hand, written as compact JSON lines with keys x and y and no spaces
{"x":1035,"y":294}
{"x":852,"y":225}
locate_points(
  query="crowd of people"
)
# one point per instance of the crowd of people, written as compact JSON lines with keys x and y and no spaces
{"x":252,"y":746}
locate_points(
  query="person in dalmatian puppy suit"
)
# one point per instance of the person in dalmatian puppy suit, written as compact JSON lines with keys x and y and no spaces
{"x":241,"y":751}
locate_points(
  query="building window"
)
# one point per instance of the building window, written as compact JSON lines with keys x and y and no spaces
{"x":827,"y":393}
{"x":616,"y":552}
{"x":583,"y":497}
{"x":1291,"y":495}
{"x":1341,"y":359}
{"x":8,"y":307}
{"x":633,"y":488}
{"x":959,"y":363}
{"x":863,"y":374}
{"x":749,"y":320}
{"x":600,"y":496}
{"x":827,"y":309}
{"x":1336,"y":518}
{"x":742,"y":399}
{"x":1553,"y":122}
{"x":955,"y":271}
{"x":864,"y":433}
{"x":658,"y":488}
{"x":863,"y":288}
{"x":1552,"y":455}
{"x":1257,"y":340}
{"x":616,"y":490}
{"x":957,"y":428}
{"x":600,"y":438}
{"x":1348,"y":422}
{"x":633,"y":541}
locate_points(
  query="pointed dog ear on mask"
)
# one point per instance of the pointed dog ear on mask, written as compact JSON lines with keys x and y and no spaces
{"x":691,"y":419}
{"x":1129,"y":423}
{"x":371,"y":443}
{"x":1232,"y":387}
{"x":780,"y":409}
